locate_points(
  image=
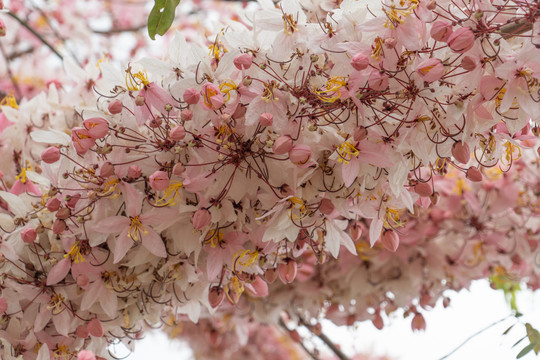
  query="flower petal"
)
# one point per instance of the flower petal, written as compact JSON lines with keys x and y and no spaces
{"x":153,"y":243}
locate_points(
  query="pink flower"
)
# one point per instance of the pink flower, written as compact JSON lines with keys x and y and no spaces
{"x":82,"y":140}
{"x":243,"y":61}
{"x":212,"y":97}
{"x":135,"y":227}
{"x":97,"y":127}
{"x":86,"y":355}
{"x":430,"y":70}
{"x":300,"y":154}
{"x":50,"y":155}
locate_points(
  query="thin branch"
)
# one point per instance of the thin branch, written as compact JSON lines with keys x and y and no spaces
{"x":326,"y":340}
{"x":10,"y":73}
{"x":313,"y":356}
{"x":120,"y":30}
{"x":36,"y":34}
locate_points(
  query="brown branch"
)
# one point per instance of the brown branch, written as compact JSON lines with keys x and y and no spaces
{"x":326,"y":340}
{"x":313,"y":356}
{"x":10,"y":73}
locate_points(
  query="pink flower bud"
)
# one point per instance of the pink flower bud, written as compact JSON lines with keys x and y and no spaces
{"x":97,"y":127}
{"x":115,"y":107}
{"x":3,"y":305}
{"x":186,"y":115}
{"x":191,"y":96}
{"x":82,"y":332}
{"x":270,"y":275}
{"x":461,"y":152}
{"x":360,"y":61}
{"x":390,"y":240}
{"x":418,"y":323}
{"x":390,"y":43}
{"x":378,"y":81}
{"x":201,"y":218}
{"x":2,"y":28}
{"x":86,"y":355}
{"x":59,"y":226}
{"x":360,"y":133}
{"x":28,"y":235}
{"x":431,"y":5}
{"x":139,"y":100}
{"x":82,"y":140}
{"x":239,"y":112}
{"x":430,"y":70}
{"x":259,"y":287}
{"x":95,"y":328}
{"x":378,"y":321}
{"x":212,"y":96}
{"x":326,"y":206}
{"x":282,"y":145}
{"x":106,"y":170}
{"x":178,"y":133}
{"x":72,"y":200}
{"x":469,"y":63}
{"x":287,"y":271}
{"x":50,"y":155}
{"x":155,"y":122}
{"x":266,"y":119}
{"x":300,"y":154}
{"x":63,"y":214}
{"x":461,"y":40}
{"x":243,"y":61}
{"x":356,"y":231}
{"x":441,"y":30}
{"x":178,"y":169}
{"x":53,"y":204}
{"x":159,"y":180}
{"x":216,"y":296}
{"x":134,"y":171}
{"x":474,"y":174}
{"x":423,"y":189}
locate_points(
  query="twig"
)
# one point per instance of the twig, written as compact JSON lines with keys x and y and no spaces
{"x":36,"y":34}
{"x":120,"y":30}
{"x":474,"y":335}
{"x":326,"y":340}
{"x":10,"y":73}
{"x":282,"y":324}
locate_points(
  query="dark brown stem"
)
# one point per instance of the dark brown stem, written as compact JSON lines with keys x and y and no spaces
{"x":311,"y":354}
{"x":10,"y":73}
{"x":326,"y":340}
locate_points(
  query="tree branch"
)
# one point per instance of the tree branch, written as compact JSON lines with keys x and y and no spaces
{"x":326,"y":340}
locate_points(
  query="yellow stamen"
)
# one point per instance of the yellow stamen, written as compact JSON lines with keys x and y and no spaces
{"x":377,"y":48}
{"x":135,"y":82}
{"x":62,"y":352}
{"x":22,"y":176}
{"x":268,"y":92}
{"x":9,"y":100}
{"x":346,"y":152}
{"x":226,"y":87}
{"x":171,"y":195}
{"x":513,"y":152}
{"x":235,"y":286}
{"x":461,"y":185}
{"x":244,"y":258}
{"x":136,"y":229}
{"x":396,"y":15}
{"x":217,"y":49}
{"x":392,"y":219}
{"x":289,"y":24}
{"x":209,"y":92}
{"x":214,"y":238}
{"x":299,"y":204}
{"x":331,"y":92}
{"x":75,"y":253}
{"x":56,"y":304}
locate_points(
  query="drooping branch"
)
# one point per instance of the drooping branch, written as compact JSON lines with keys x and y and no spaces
{"x":326,"y":340}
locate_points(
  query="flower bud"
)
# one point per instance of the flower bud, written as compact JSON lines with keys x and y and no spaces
{"x":282,"y":145}
{"x":97,"y":127}
{"x":59,"y":226}
{"x":441,"y":30}
{"x":469,"y":63}
{"x":53,"y":204}
{"x":82,"y":332}
{"x":28,"y":235}
{"x":106,"y":170}
{"x":378,"y":321}
{"x":139,"y":100}
{"x":178,"y":169}
{"x":418,"y":323}
{"x":431,"y":5}
{"x":360,"y":133}
{"x":461,"y":40}
{"x":423,"y":189}
{"x":82,"y":140}
{"x":270,"y":275}
{"x":355,"y":231}
{"x":287,"y":271}
{"x":50,"y":155}
{"x":300,"y":154}
{"x":191,"y":96}
{"x":63,"y":214}
{"x":216,"y":296}
{"x":260,"y":287}
{"x":326,"y":206}
{"x":390,"y":43}
{"x":115,"y":107}
{"x":178,"y":133}
{"x":390,"y":240}
{"x":186,"y":115}
{"x":95,"y":328}
{"x":360,"y":61}
{"x":72,"y":200}
{"x":86,"y":355}
{"x":266,"y":119}
{"x":474,"y":174}
{"x":134,"y":171}
{"x":159,"y":180}
{"x":461,"y":152}
{"x":243,"y":61}
{"x":430,"y":70}
{"x":201,"y":218}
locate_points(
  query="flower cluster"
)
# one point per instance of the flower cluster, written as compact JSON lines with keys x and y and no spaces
{"x":369,"y":159}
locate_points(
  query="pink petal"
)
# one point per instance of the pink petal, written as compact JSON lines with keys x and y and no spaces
{"x":133,"y":199}
{"x":62,"y":322}
{"x":350,"y":171}
{"x":158,"y":216}
{"x":58,"y":272}
{"x":111,"y":225}
{"x":123,"y":244}
{"x":153,"y":243}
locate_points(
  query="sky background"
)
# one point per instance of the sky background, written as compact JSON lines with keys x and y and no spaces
{"x":469,"y":312}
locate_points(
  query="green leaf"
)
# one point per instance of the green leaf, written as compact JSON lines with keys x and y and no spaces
{"x":525,"y":351}
{"x":161,"y":17}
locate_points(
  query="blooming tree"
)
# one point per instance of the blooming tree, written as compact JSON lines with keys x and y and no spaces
{"x":307,"y":160}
